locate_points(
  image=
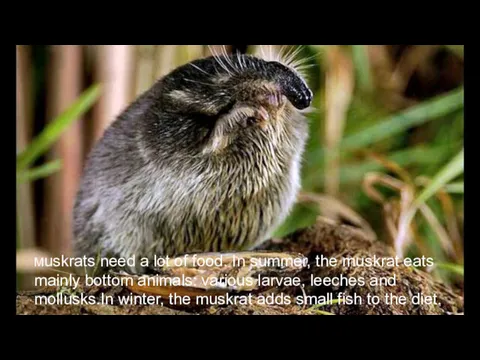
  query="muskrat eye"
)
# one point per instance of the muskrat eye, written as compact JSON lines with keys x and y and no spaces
{"x":251,"y":120}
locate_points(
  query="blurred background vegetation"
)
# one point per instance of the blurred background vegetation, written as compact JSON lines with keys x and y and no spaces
{"x":385,"y":152}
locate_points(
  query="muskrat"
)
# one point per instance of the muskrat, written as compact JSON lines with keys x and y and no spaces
{"x":208,"y":159}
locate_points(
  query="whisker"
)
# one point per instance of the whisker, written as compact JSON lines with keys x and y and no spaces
{"x":262,"y":49}
{"x":196,"y":67}
{"x":199,"y":82}
{"x":229,"y":59}
{"x":306,"y":66}
{"x":215,"y":56}
{"x":288,"y":54}
{"x":226,"y":60}
{"x":305,"y":59}
{"x":220,"y":61}
{"x":244,"y":59}
{"x":282,"y":51}
{"x":252,"y":63}
{"x":292,"y":54}
{"x":239,"y":60}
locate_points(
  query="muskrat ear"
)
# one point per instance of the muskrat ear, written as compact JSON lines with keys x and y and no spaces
{"x":238,"y":118}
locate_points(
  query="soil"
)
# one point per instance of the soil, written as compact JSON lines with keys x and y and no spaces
{"x":323,"y":238}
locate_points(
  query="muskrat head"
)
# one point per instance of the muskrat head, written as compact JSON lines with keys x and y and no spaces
{"x":235,"y":94}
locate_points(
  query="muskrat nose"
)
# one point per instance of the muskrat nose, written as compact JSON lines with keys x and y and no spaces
{"x":292,"y":85}
{"x":301,"y":99}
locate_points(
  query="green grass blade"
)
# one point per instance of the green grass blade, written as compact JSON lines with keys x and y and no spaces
{"x":54,"y":129}
{"x":398,"y":123}
{"x":421,"y":155}
{"x":332,"y":302}
{"x":454,"y":268}
{"x":39,"y":172}
{"x":445,"y":175}
{"x":455,"y":188}
{"x":362,"y":66}
{"x":322,"y":312}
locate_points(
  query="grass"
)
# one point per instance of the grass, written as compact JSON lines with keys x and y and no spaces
{"x":447,"y":173}
{"x":455,"y":188}
{"x":454,"y":268}
{"x":39,"y":172}
{"x":423,"y":138}
{"x":54,"y":129}
{"x":362,"y":67}
{"x":316,"y":308}
{"x":401,"y":122}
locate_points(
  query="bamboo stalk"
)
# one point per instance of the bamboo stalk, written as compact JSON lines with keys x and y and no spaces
{"x":144,"y":67}
{"x":65,"y":85}
{"x":164,"y":60}
{"x":338,"y":93}
{"x":187,"y":53}
{"x":25,"y":201}
{"x":113,"y":71}
{"x":155,"y":61}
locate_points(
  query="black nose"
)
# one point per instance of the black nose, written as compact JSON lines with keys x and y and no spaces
{"x":302,"y":98}
{"x":294,"y":87}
